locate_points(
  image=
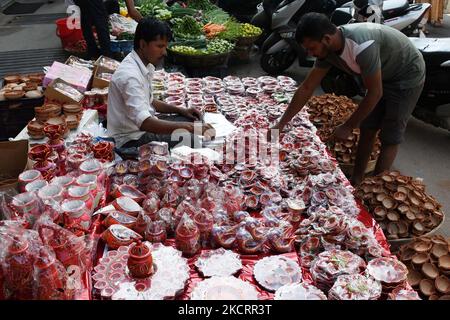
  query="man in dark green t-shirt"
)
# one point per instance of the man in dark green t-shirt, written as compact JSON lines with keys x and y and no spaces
{"x":393,"y":73}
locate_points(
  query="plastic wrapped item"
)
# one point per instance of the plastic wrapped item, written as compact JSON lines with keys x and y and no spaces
{"x":187,"y":238}
{"x":28,"y":206}
{"x":118,"y":235}
{"x":117,"y":217}
{"x":355,"y":287}
{"x":299,"y":291}
{"x":127,"y":205}
{"x":204,"y":221}
{"x":329,"y":265}
{"x":389,"y":271}
{"x":130,"y":192}
{"x":218,"y":262}
{"x":77,"y":216}
{"x":151,"y":205}
{"x":403,"y":294}
{"x":19,"y":259}
{"x":27,"y":177}
{"x":50,"y":277}
{"x":224,"y":288}
{"x":276,"y":271}
{"x":247,"y":244}
{"x":156,"y":232}
{"x":70,"y":250}
{"x":121,"y":24}
{"x":153,"y":148}
{"x":51,"y":193}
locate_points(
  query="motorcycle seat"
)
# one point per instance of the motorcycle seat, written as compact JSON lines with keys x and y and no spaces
{"x":434,"y":50}
{"x":394,"y":8}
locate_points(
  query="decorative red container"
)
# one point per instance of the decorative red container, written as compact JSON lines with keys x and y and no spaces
{"x":140,"y":261}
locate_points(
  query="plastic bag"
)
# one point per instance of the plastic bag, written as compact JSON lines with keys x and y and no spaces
{"x":187,"y":238}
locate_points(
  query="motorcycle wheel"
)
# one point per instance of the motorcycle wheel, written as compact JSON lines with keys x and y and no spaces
{"x":277,"y":62}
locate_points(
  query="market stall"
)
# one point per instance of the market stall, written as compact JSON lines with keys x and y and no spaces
{"x":262,"y":221}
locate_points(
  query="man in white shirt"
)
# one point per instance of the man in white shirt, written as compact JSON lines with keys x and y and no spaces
{"x":131,"y":117}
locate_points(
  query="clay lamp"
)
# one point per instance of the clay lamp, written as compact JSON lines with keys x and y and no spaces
{"x":414,"y":278}
{"x":130,"y":192}
{"x":442,"y":284}
{"x":420,"y":258}
{"x":427,"y":287}
{"x":444,"y":262}
{"x":40,"y":153}
{"x":430,"y":270}
{"x":439,"y":250}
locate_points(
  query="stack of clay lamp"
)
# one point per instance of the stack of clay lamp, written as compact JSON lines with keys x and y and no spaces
{"x":20,"y":86}
{"x":428,"y":262}
{"x":327,"y":112}
{"x":68,"y":115}
{"x":400,"y":205}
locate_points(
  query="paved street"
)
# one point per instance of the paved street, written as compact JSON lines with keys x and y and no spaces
{"x":425,"y":153}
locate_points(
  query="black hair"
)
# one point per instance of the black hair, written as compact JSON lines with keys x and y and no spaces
{"x":149,"y":29}
{"x":314,"y":26}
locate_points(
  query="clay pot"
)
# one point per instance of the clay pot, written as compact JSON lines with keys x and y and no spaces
{"x":422,"y":246}
{"x":430,"y":270}
{"x":442,"y":284}
{"x":414,"y":278}
{"x":427,"y":287}
{"x":420,"y":258}
{"x":140,"y":260}
{"x":439,"y":250}
{"x":444,"y":262}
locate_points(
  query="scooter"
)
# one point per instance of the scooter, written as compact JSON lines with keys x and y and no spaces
{"x":399,"y":14}
{"x":434,"y":103}
{"x":280,"y":49}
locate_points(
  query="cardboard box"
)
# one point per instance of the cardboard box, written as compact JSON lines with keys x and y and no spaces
{"x":13,"y":161}
{"x":79,"y":78}
{"x":101,"y":67}
{"x":52,"y":93}
{"x":99,"y":82}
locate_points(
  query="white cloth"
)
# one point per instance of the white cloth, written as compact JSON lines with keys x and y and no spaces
{"x":130,"y":99}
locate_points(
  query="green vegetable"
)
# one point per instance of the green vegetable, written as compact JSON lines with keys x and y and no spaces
{"x":216,"y":16}
{"x":218,"y":46}
{"x":249,"y":30}
{"x":178,"y":11}
{"x":185,"y":50}
{"x":232,"y":32}
{"x":152,"y":7}
{"x":125,"y":36}
{"x":186,"y":28}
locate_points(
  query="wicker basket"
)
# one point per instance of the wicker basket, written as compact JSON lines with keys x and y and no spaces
{"x":397,"y":243}
{"x":241,"y":53}
{"x":199,"y":61}
{"x":246,"y":41}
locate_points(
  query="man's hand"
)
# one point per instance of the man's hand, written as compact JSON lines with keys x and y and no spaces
{"x":208,"y":131}
{"x":191,"y":113}
{"x":342,"y":132}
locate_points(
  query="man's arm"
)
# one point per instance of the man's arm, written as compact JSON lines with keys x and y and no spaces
{"x":163,"y":107}
{"x":132,"y":11}
{"x":155,"y":125}
{"x":374,"y":85}
{"x":302,"y":95}
{"x":374,"y":93}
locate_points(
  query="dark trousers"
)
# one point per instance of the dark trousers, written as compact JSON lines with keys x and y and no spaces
{"x":93,"y":13}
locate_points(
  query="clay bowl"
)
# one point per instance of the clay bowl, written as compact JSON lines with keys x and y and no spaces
{"x":444,"y":263}
{"x":430,"y":270}
{"x":12,"y":78}
{"x":414,"y":278}
{"x":427,"y":287}
{"x":420,"y":258}
{"x":442,"y":284}
{"x":14,"y":94}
